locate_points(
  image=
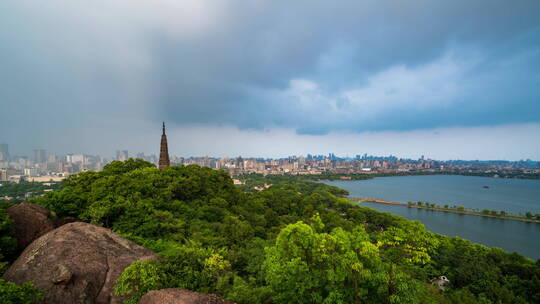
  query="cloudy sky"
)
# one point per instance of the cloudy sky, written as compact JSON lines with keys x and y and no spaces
{"x":445,"y":79}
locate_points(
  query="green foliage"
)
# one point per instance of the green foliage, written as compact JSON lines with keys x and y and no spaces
{"x":195,"y":268}
{"x":21,"y":188}
{"x":189,"y":267}
{"x":139,"y":278}
{"x":489,"y":274}
{"x":310,"y":267}
{"x":7,"y":242}
{"x":406,"y":246}
{"x":11,"y":293}
{"x":248,"y":292}
{"x":302,"y":182}
{"x":320,"y":248}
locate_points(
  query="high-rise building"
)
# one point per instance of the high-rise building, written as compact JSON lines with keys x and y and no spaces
{"x":40,"y":155}
{"x":31,"y":172}
{"x":4,"y":152}
{"x":77,"y":158}
{"x":164,"y":151}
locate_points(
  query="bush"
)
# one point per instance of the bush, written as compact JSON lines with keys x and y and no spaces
{"x":11,"y":293}
{"x":139,"y":278}
{"x":188,"y":267}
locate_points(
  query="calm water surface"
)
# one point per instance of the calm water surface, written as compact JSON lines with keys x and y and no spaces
{"x":513,"y":195}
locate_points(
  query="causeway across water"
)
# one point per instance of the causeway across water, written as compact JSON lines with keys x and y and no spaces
{"x":376,"y":200}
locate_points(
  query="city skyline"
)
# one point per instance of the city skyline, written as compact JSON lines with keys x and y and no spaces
{"x":41,"y":155}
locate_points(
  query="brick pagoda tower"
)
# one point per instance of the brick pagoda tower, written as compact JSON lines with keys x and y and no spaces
{"x":164,"y":151}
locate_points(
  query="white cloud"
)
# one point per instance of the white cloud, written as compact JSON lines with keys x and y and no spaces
{"x":432,"y":86}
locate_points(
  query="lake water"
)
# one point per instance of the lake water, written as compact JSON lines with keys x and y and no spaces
{"x":513,"y":195}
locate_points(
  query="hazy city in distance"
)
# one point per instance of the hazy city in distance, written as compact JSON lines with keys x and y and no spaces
{"x":44,"y":167}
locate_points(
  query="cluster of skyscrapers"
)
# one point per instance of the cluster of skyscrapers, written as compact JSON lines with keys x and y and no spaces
{"x":319,"y":164}
{"x":46,"y":167}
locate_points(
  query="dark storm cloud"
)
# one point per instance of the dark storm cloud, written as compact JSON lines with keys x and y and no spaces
{"x":311,"y":66}
{"x":243,"y":71}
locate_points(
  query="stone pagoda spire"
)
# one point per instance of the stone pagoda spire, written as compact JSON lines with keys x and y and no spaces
{"x":164,"y":151}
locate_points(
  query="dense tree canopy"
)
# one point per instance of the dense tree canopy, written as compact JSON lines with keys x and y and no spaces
{"x":22,"y":188}
{"x":296,"y":241}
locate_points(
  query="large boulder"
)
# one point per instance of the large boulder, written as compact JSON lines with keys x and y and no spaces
{"x":77,"y":263}
{"x":30,"y":221}
{"x":180,"y":296}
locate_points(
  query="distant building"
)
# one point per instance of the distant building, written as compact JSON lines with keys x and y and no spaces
{"x":238,"y":182}
{"x":40,"y":155}
{"x":31,"y":172}
{"x":4,"y":152}
{"x":45,"y":179}
{"x":77,"y":158}
{"x":3,"y":175}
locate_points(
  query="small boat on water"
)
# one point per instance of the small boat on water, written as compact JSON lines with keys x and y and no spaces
{"x":485,"y":187}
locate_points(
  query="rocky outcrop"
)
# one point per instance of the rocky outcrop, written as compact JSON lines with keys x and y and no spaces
{"x":180,"y":296}
{"x":77,"y":263}
{"x":30,"y":222}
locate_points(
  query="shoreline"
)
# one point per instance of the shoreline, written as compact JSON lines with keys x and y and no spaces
{"x":441,"y":209}
{"x":365,"y":176}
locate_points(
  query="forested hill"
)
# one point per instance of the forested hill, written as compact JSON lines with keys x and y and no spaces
{"x":291,"y":243}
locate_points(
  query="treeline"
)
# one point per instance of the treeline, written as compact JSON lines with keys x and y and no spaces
{"x":529,"y":216}
{"x":256,"y":178}
{"x":22,"y":188}
{"x":363,"y":176}
{"x":294,"y":242}
{"x":501,"y":174}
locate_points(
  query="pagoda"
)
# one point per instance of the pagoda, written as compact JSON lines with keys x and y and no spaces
{"x":164,"y":152}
